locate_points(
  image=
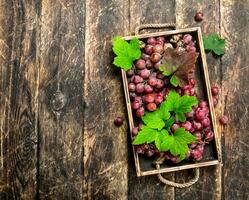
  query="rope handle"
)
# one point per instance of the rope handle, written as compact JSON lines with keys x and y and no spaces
{"x":179,"y":185}
{"x":147,"y":26}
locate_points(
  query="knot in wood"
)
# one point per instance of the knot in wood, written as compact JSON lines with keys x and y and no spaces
{"x":58,"y":101}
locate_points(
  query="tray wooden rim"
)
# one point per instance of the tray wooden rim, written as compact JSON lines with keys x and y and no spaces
{"x":209,"y":98}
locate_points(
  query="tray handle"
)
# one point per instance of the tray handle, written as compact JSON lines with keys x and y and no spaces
{"x":154,"y":26}
{"x":179,"y":185}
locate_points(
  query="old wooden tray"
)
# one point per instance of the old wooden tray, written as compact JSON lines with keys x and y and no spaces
{"x":212,"y":155}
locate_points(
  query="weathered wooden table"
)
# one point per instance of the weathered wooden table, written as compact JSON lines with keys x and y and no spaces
{"x":59,"y":95}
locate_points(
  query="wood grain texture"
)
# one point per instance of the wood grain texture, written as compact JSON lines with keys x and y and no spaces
{"x":61,"y":99}
{"x":209,"y":184}
{"x":18,"y":99}
{"x":105,"y":155}
{"x":144,"y":12}
{"x":235,"y":95}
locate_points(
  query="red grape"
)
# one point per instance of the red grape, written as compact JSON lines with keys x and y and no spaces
{"x":145,"y":56}
{"x":159,"y":84}
{"x":149,"y":98}
{"x":158,"y":99}
{"x":224,"y":120}
{"x":130,"y":72}
{"x":140,"y":64}
{"x":152,"y":81}
{"x":144,"y":73}
{"x":148,"y":49}
{"x":197,"y":125}
{"x":158,"y":49}
{"x":191,"y":49}
{"x":149,"y":64}
{"x":174,"y":127}
{"x":138,"y":98}
{"x":151,"y":41}
{"x":209,"y":135}
{"x":196,"y":154}
{"x":160,"y":38}
{"x":140,"y":112}
{"x":199,"y":16}
{"x":151,"y":106}
{"x":134,"y":131}
{"x":187,"y":125}
{"x":205,"y":110}
{"x":205,"y":122}
{"x":150,"y":152}
{"x":158,"y":64}
{"x":200,"y":115}
{"x":132,"y":87}
{"x":192,"y":82}
{"x":187,"y":38}
{"x":140,"y":88}
{"x":118,"y":121}
{"x":215,"y":90}
{"x":137,"y":79}
{"x":140,"y":150}
{"x":215,"y":100}
{"x":155,"y":57}
{"x":148,"y":88}
{"x":135,"y":105}
{"x":198,"y":135}
{"x":203,"y":104}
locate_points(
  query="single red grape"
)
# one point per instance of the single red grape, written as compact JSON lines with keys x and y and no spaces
{"x":199,"y":16}
{"x":152,"y":81}
{"x":134,"y":131}
{"x":151,"y":41}
{"x":224,"y":120}
{"x":158,"y":49}
{"x":140,"y":112}
{"x":148,"y":49}
{"x":130,"y":72}
{"x":132,"y":87}
{"x":118,"y":121}
{"x":155,"y":57}
{"x":205,"y":122}
{"x":215,"y":90}
{"x":149,"y":98}
{"x":140,"y":88}
{"x":151,"y":106}
{"x":140,"y":64}
{"x":187,"y":38}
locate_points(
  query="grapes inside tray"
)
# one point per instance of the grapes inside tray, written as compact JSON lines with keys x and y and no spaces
{"x":170,"y":111}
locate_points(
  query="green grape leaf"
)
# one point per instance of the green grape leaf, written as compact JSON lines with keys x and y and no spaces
{"x":126,"y":53}
{"x":177,"y":143}
{"x":213,"y":42}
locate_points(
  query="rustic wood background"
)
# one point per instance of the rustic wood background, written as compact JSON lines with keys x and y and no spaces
{"x":59,"y":95}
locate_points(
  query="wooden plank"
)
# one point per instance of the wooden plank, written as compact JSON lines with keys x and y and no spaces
{"x":235,"y":95}
{"x":209,"y":184}
{"x":61,"y":99}
{"x":144,"y":12}
{"x":105,"y":155}
{"x":18,"y":98}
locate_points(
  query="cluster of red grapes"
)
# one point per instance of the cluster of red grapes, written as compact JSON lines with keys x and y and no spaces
{"x":148,"y":88}
{"x":147,"y":85}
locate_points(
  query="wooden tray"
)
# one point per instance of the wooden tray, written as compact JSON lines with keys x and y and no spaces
{"x":212,"y":155}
